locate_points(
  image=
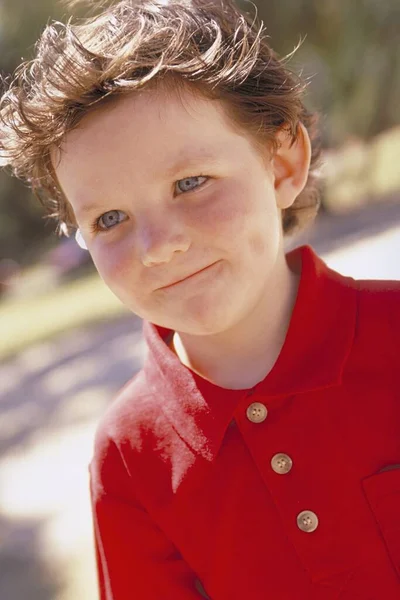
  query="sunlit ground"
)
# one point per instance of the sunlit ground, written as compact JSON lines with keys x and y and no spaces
{"x":52,"y":395}
{"x":51,"y":399}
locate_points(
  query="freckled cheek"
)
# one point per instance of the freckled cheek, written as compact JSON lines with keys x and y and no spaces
{"x":225,"y":213}
{"x":114,"y":266}
{"x":258,"y":244}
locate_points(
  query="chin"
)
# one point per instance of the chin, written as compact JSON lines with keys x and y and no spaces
{"x":204,"y":321}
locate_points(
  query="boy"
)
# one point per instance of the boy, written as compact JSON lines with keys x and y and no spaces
{"x":257,"y":454}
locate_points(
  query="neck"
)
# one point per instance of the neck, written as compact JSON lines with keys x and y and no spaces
{"x":242,"y":356}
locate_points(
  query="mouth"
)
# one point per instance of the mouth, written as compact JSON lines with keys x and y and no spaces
{"x":188,"y":277}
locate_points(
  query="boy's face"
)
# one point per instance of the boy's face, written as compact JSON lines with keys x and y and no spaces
{"x":165,"y":190}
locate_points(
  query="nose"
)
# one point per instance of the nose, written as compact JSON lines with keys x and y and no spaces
{"x":160,"y":241}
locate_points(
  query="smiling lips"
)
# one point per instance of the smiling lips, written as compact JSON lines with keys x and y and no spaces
{"x":188,"y":277}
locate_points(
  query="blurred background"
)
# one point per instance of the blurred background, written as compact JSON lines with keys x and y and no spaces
{"x":66,"y":345}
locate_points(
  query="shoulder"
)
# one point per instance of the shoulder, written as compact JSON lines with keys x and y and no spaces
{"x":135,"y":438}
{"x":379,"y":299}
{"x":378,"y":320}
{"x":130,"y":415}
{"x":121,"y":433}
{"x":376,"y":302}
{"x":135,"y":429}
{"x":379,"y":288}
{"x":120,"y":436}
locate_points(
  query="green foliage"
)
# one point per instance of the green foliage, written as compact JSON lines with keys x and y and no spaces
{"x":351,"y":54}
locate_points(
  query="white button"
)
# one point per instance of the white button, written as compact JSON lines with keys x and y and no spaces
{"x":257,"y":412}
{"x":281,"y":463}
{"x":307,"y":521}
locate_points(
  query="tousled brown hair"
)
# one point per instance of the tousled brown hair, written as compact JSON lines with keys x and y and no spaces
{"x":209,"y":45}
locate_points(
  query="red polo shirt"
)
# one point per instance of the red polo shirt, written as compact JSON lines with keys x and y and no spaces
{"x":287,"y":491}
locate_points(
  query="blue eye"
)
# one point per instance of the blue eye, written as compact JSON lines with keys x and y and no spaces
{"x":190,"y":183}
{"x":110,"y":219}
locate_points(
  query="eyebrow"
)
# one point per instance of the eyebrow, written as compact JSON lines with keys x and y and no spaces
{"x":182,"y":163}
{"x":89,"y":209}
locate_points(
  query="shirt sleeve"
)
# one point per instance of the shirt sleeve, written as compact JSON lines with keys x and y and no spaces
{"x":135,"y":559}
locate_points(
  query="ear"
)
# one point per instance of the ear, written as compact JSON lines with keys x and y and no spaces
{"x":291,"y":164}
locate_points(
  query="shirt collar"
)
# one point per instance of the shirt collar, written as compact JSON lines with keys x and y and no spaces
{"x":317,"y":344}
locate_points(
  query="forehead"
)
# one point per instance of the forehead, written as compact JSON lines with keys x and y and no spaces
{"x":139,"y":120}
{"x":140,"y":138}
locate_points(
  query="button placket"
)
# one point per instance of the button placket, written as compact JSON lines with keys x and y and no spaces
{"x":281,"y":463}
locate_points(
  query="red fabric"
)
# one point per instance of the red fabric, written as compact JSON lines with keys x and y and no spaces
{"x":182,"y":487}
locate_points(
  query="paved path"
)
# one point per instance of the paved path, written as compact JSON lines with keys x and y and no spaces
{"x":52,"y":397}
